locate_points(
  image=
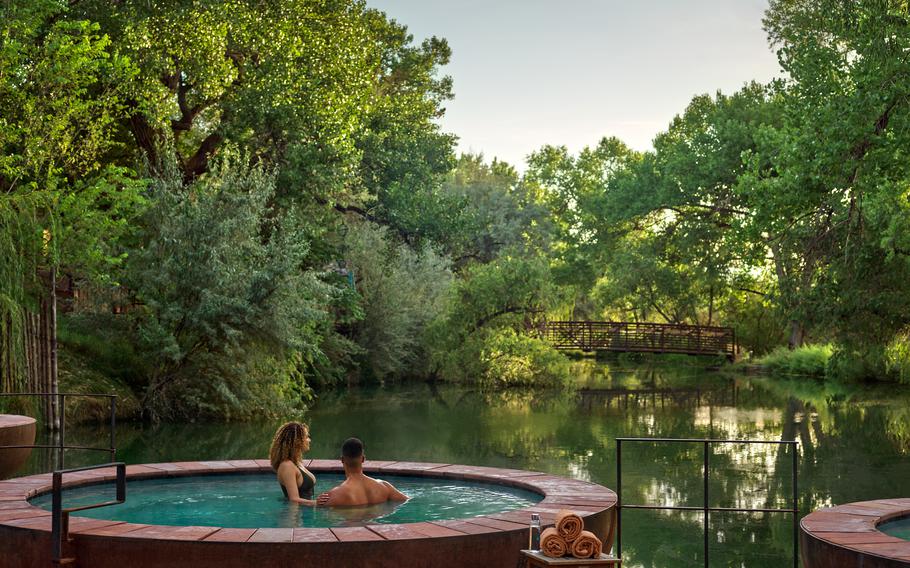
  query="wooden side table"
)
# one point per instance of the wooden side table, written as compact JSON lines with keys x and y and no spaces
{"x":537,"y":559}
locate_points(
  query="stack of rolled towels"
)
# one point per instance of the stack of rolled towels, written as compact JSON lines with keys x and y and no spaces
{"x":568,"y":537}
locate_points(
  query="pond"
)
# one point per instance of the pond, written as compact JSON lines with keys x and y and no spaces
{"x":854,"y":445}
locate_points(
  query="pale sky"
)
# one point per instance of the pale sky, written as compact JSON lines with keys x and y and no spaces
{"x":534,"y":72}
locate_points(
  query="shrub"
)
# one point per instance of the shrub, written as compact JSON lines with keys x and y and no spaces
{"x":401,"y":291}
{"x":511,"y":359}
{"x":105,"y":343}
{"x":897,"y":357}
{"x":504,"y":358}
{"x":809,"y":360}
{"x":227,"y":305}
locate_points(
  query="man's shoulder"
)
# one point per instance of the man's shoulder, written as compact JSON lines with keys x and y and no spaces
{"x":381,"y":482}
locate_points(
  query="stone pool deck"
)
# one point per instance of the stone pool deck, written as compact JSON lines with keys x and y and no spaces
{"x":484,"y":541}
{"x":847,"y":536}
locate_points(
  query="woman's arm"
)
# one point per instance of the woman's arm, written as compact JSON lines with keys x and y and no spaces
{"x":287,"y":476}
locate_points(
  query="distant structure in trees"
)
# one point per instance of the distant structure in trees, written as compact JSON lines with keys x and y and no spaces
{"x":634,"y":337}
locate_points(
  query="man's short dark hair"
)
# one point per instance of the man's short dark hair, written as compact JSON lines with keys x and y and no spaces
{"x":352,"y":449}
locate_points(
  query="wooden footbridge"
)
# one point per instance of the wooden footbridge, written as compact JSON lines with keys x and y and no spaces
{"x":632,"y":337}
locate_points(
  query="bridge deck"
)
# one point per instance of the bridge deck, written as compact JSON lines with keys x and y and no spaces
{"x":626,"y":337}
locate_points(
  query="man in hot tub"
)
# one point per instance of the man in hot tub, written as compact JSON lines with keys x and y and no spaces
{"x":358,"y":489}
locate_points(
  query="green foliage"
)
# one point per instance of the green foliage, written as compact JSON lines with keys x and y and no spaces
{"x":402,"y":291}
{"x":897,"y":357}
{"x":62,"y":91}
{"x":500,"y":212}
{"x":79,"y":374}
{"x":104,"y":343}
{"x":809,"y":360}
{"x":288,"y":82}
{"x":226,"y":304}
{"x":510,"y":291}
{"x":572,"y":189}
{"x":756,"y":319}
{"x":846,"y":196}
{"x":281,"y":140}
{"x":490,"y":319}
{"x":507,"y":358}
{"x":404,"y":151}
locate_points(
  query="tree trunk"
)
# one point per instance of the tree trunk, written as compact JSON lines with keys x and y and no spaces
{"x":52,"y":359}
{"x":6,"y":372}
{"x":797,"y":333}
{"x":711,"y":307}
{"x":42,"y":366}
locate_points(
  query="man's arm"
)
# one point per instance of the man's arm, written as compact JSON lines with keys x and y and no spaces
{"x":392,"y":493}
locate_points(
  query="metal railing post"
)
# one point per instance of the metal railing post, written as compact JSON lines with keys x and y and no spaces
{"x":795,"y":507}
{"x":113,"y":426}
{"x":619,"y":499}
{"x":57,"y":515}
{"x":61,"y":417}
{"x":706,"y":509}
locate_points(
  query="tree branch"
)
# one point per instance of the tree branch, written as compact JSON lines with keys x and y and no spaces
{"x":147,"y":137}
{"x":751,"y":291}
{"x":507,"y":310}
{"x":198,"y":163}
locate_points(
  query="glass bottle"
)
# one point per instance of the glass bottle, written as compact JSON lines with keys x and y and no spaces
{"x":534,"y":536}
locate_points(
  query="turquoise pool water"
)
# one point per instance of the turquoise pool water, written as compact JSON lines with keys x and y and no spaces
{"x":899,"y":528}
{"x":255,"y":501}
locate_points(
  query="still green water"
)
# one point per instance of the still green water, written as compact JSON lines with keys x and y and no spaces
{"x":251,"y":501}
{"x":854,"y":445}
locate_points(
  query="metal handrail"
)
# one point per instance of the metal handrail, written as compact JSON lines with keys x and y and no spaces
{"x":60,"y":517}
{"x":61,"y":403}
{"x":705,"y":508}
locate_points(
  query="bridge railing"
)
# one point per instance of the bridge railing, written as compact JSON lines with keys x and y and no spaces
{"x":640,"y":337}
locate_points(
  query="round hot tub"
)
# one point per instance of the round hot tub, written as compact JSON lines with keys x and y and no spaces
{"x":15,"y":430}
{"x":899,"y":527}
{"x":871,"y":534}
{"x":231,"y":514}
{"x":253,"y":500}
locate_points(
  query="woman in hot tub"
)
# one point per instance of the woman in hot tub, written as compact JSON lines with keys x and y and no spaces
{"x":286,"y":453}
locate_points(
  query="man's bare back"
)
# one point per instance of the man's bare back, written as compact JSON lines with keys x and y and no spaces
{"x":358,"y":489}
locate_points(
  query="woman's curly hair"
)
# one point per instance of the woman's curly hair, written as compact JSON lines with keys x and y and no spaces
{"x":288,"y":443}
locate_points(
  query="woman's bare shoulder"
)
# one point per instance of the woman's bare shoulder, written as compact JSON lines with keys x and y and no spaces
{"x":286,"y":465}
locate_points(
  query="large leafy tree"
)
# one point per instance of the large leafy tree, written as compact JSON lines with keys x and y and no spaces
{"x":499,"y":212}
{"x":683,"y":206}
{"x":289,"y":82}
{"x":405,"y":154}
{"x":838,"y":198}
{"x":62,"y":91}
